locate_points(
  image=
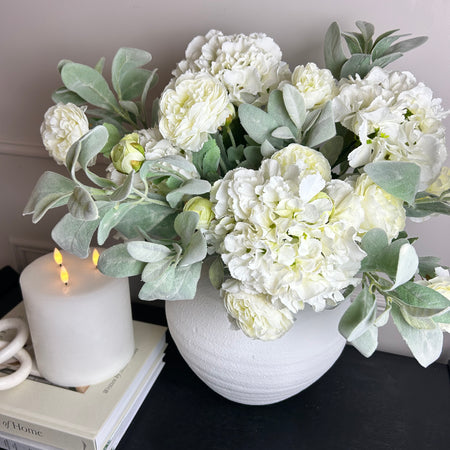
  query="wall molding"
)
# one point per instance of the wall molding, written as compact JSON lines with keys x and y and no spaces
{"x":23,"y":149}
{"x":25,"y":251}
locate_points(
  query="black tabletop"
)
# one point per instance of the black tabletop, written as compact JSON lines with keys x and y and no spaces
{"x":384,"y":402}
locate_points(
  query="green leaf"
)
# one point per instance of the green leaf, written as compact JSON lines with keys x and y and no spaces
{"x":207,"y":159}
{"x":130,"y":106}
{"x":81,"y":205}
{"x":89,"y":85}
{"x":407,"y":265}
{"x":383,"y":61}
{"x":358,"y":63}
{"x":425,"y":345}
{"x":267,"y":149}
{"x":114,"y":136}
{"x":283,"y":133}
{"x":133,"y":83}
{"x":333,"y":52}
{"x":374,"y":241}
{"x":75,"y":235}
{"x":360,"y":315}
{"x":86,"y":148}
{"x":64,"y":95}
{"x":383,"y":318}
{"x":116,"y":262}
{"x":295,"y":105}
{"x":425,"y":209}
{"x":277,"y":109}
{"x":422,"y":297}
{"x":367,"y":30}
{"x":51,"y":190}
{"x":155,"y":271}
{"x":323,"y":128}
{"x":185,"y":225}
{"x":382,"y":45}
{"x":111,"y":219}
{"x":216,"y":273}
{"x":427,"y":266}
{"x":367,"y":343}
{"x":145,"y":217}
{"x":257,"y":123}
{"x":332,"y":149}
{"x":177,"y":283}
{"x":151,"y":81}
{"x":353,"y":43}
{"x":147,"y":251}
{"x":407,"y":45}
{"x":195,"y":251}
{"x":126,"y":59}
{"x":100,"y":65}
{"x":124,"y":190}
{"x":400,"y":179}
{"x":189,"y":187}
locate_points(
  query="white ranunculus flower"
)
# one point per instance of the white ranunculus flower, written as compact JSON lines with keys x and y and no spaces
{"x":368,"y":206}
{"x":194,"y":107}
{"x":308,"y":160}
{"x":442,"y":183}
{"x":63,"y":125}
{"x":249,"y":66}
{"x":155,"y":146}
{"x":273,"y":231}
{"x":316,"y":85}
{"x":257,"y":317}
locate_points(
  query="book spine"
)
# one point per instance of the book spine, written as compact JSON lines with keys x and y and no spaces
{"x":21,"y":429}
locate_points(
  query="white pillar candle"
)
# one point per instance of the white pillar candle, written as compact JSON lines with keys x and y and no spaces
{"x":82,"y":332}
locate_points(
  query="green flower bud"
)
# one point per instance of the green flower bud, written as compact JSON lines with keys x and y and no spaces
{"x":203,"y":207}
{"x":128,"y":154}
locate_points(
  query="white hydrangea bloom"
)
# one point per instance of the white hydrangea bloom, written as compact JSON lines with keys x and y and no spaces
{"x":249,"y":66}
{"x":396,"y":119}
{"x":156,"y":146}
{"x":192,"y":108}
{"x":257,"y":317}
{"x":316,"y":85}
{"x":63,"y":125}
{"x":277,"y":238}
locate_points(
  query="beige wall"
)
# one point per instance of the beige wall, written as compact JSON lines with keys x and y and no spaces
{"x":35,"y":35}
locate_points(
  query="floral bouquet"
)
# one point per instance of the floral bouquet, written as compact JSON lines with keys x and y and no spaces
{"x":296,"y":184}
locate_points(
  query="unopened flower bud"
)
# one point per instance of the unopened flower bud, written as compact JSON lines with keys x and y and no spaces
{"x":203,"y":207}
{"x":128,"y":154}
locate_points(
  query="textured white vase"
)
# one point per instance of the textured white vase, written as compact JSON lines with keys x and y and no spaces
{"x":250,"y":371}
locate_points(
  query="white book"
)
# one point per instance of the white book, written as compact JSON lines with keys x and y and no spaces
{"x":11,"y":442}
{"x":71,"y":419}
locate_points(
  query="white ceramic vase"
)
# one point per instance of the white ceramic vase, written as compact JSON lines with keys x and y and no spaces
{"x":250,"y":371}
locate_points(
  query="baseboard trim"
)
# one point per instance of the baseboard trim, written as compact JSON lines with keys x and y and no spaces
{"x":23,"y":149}
{"x":25,"y":251}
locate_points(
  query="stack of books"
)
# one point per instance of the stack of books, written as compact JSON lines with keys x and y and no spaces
{"x":39,"y":415}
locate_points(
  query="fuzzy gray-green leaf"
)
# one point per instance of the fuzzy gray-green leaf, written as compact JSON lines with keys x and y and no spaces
{"x":425,"y":345}
{"x":400,"y":179}
{"x":116,"y":262}
{"x":185,"y":225}
{"x":257,"y":123}
{"x":358,"y":63}
{"x":323,"y":129}
{"x":81,"y":205}
{"x":49,"y":184}
{"x":295,"y":105}
{"x":195,"y":251}
{"x":89,"y":85}
{"x":367,"y":343}
{"x":360,"y":315}
{"x":147,"y":251}
{"x":189,"y":187}
{"x":111,"y":219}
{"x":333,"y":52}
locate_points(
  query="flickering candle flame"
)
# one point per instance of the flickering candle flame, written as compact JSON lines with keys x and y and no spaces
{"x":95,"y":256}
{"x":57,"y":257}
{"x":64,"y":275}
